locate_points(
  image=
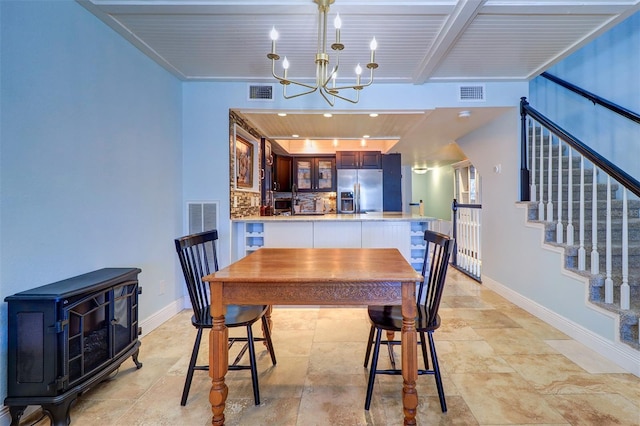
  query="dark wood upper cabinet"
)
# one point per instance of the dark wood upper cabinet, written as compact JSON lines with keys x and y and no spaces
{"x":358,"y":160}
{"x":315,"y":174}
{"x":282,"y":174}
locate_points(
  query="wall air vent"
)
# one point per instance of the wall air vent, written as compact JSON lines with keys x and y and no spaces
{"x":202,"y":216}
{"x":471,"y":93}
{"x":260,"y":92}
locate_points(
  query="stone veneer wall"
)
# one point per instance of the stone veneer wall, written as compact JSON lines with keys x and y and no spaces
{"x":243,"y":203}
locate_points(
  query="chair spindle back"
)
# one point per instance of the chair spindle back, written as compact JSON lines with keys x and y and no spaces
{"x":434,"y":269}
{"x":198,"y":258}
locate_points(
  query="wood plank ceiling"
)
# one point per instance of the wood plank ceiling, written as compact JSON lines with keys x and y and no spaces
{"x":420,"y":41}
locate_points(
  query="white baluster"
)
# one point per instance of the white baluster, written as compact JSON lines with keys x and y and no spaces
{"x":570,"y":199}
{"x":559,"y":227}
{"x":608,"y":282}
{"x":625,"y":293}
{"x":550,"y":180}
{"x":467,"y":235}
{"x":595,"y":257}
{"x":533,"y":163}
{"x":581,"y":251}
{"x":541,"y":180}
{"x":479,"y":225}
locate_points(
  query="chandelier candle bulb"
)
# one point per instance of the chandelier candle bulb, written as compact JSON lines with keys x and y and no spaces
{"x":337,"y":23}
{"x":373,"y":45}
{"x":358,"y":72}
{"x":274,"y":36}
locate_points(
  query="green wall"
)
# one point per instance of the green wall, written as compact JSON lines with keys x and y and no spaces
{"x":435,"y":189}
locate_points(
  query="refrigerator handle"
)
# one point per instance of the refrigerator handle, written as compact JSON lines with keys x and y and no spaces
{"x":356,"y":196}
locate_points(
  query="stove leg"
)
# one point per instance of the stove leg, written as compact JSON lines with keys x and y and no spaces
{"x":59,"y":413}
{"x":135,"y":360}
{"x":16,"y":412}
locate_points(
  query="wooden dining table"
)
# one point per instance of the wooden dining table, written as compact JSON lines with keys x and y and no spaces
{"x":315,"y":276}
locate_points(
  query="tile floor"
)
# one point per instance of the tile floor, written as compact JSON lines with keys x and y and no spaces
{"x":501,"y":366}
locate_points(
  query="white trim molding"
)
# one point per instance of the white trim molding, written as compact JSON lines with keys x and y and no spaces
{"x":618,"y":353}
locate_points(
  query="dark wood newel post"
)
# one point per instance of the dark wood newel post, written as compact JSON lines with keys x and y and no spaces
{"x":524,"y":171}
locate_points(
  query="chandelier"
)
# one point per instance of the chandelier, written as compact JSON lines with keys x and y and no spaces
{"x":325,"y":78}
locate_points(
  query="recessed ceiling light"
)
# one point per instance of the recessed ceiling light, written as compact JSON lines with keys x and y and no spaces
{"x":373,"y":114}
{"x":328,"y":114}
{"x":464,"y":114}
{"x":295,"y":136}
{"x":282,"y":114}
{"x":366,"y":136}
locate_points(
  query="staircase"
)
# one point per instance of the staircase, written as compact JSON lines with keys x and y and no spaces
{"x":576,"y":178}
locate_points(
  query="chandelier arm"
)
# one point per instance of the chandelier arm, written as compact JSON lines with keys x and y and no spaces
{"x":284,"y":92}
{"x":286,"y":81}
{"x":329,"y":101}
{"x":337,"y":95}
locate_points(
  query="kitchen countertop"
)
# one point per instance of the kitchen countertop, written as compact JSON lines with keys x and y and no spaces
{"x":332,"y":217}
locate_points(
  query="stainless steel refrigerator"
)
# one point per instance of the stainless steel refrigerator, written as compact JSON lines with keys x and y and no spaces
{"x":366,"y":187}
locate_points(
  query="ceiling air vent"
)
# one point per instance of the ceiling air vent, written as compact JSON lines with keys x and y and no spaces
{"x":261,"y":92}
{"x":471,"y":93}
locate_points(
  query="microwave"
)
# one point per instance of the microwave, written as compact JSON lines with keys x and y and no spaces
{"x":281,"y":205}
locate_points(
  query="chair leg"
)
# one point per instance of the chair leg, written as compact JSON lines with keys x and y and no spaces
{"x":372,"y":370}
{"x":423,"y":344}
{"x":192,"y":364}
{"x":254,"y":368}
{"x":436,"y":370}
{"x":369,"y":344}
{"x":267,"y":336}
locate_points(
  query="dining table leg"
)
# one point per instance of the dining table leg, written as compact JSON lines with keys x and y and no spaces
{"x":409,"y":354}
{"x":218,"y":358}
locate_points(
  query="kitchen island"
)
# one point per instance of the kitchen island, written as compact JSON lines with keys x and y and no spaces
{"x":311,"y":230}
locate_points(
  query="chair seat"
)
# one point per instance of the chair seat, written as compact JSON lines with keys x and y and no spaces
{"x":236,"y":316}
{"x":390,"y":318}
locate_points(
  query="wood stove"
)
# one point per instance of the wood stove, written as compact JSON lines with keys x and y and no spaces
{"x":67,"y":336}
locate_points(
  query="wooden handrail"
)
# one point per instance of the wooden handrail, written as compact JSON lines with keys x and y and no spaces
{"x":605,"y":165}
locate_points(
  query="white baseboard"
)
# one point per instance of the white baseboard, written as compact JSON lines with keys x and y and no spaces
{"x":158,"y":318}
{"x":618,"y":353}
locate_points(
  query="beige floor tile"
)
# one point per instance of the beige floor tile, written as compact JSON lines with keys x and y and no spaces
{"x":457,"y":357}
{"x":514,"y":341}
{"x":586,"y":358}
{"x":626,"y":384}
{"x":504,"y":398}
{"x":556,"y":374}
{"x":596,"y":410}
{"x":347,"y":329}
{"x":337,"y":400}
{"x":486,"y":318}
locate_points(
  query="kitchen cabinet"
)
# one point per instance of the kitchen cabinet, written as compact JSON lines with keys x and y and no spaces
{"x":315,"y":174}
{"x":288,"y":235}
{"x":337,"y":234}
{"x":282,"y":174}
{"x":391,"y":183}
{"x":358,"y":160}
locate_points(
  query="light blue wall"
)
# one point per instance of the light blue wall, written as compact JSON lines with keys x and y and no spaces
{"x":90,"y":155}
{"x":435,"y":188}
{"x":608,"y":67}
